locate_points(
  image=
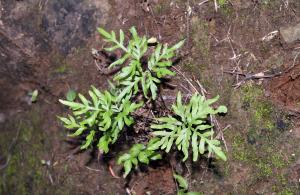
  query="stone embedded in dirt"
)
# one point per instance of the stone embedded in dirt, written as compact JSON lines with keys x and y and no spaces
{"x":291,"y":33}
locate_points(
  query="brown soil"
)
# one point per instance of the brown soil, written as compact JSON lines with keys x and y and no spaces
{"x":157,"y":181}
{"x":46,"y":45}
{"x":285,"y":89}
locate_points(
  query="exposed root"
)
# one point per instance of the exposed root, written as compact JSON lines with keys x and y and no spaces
{"x":112,"y":172}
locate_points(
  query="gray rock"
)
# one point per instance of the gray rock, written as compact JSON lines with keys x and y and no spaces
{"x":291,"y":33}
{"x":57,"y":25}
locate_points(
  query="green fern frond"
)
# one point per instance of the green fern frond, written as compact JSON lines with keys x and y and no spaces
{"x":189,"y":127}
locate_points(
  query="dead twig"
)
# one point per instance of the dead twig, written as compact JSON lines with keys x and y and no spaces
{"x":221,"y":135}
{"x":270,"y":36}
{"x":216,"y":5}
{"x":128,"y":191}
{"x":260,"y":75}
{"x":205,"y":1}
{"x":201,"y":3}
{"x":170,"y":97}
{"x":92,"y":169}
{"x":248,"y":76}
{"x":188,"y":80}
{"x":203,"y":91}
{"x":50,"y":177}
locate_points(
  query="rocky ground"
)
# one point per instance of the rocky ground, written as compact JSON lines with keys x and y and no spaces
{"x":248,"y":52}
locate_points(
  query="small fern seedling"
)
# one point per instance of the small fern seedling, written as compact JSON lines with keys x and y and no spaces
{"x":137,"y":154}
{"x":189,"y":126}
{"x":183,"y":186}
{"x":135,"y":74}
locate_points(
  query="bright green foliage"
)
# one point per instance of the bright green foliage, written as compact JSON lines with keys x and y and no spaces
{"x":189,"y":126}
{"x":71,"y":95}
{"x":183,"y":186}
{"x":222,"y":2}
{"x":135,"y":73}
{"x":34,"y":95}
{"x":105,"y":115}
{"x":137,"y":153}
{"x":101,"y":118}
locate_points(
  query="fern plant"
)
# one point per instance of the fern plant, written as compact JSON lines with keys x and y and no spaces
{"x":105,"y":115}
{"x":101,"y":118}
{"x":135,"y":73}
{"x":137,"y":153}
{"x":183,"y":186}
{"x":188,"y":127}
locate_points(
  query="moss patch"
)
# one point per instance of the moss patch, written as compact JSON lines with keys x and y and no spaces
{"x":259,"y":143}
{"x":201,"y":39}
{"x":24,"y":172}
{"x":261,"y":113}
{"x":226,"y":9}
{"x":265,"y":160}
{"x":59,"y":62}
{"x":61,"y":69}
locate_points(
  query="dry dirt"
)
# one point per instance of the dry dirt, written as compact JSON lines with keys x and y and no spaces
{"x":285,"y":89}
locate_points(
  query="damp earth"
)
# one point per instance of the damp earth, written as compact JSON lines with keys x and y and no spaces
{"x":248,"y":52}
